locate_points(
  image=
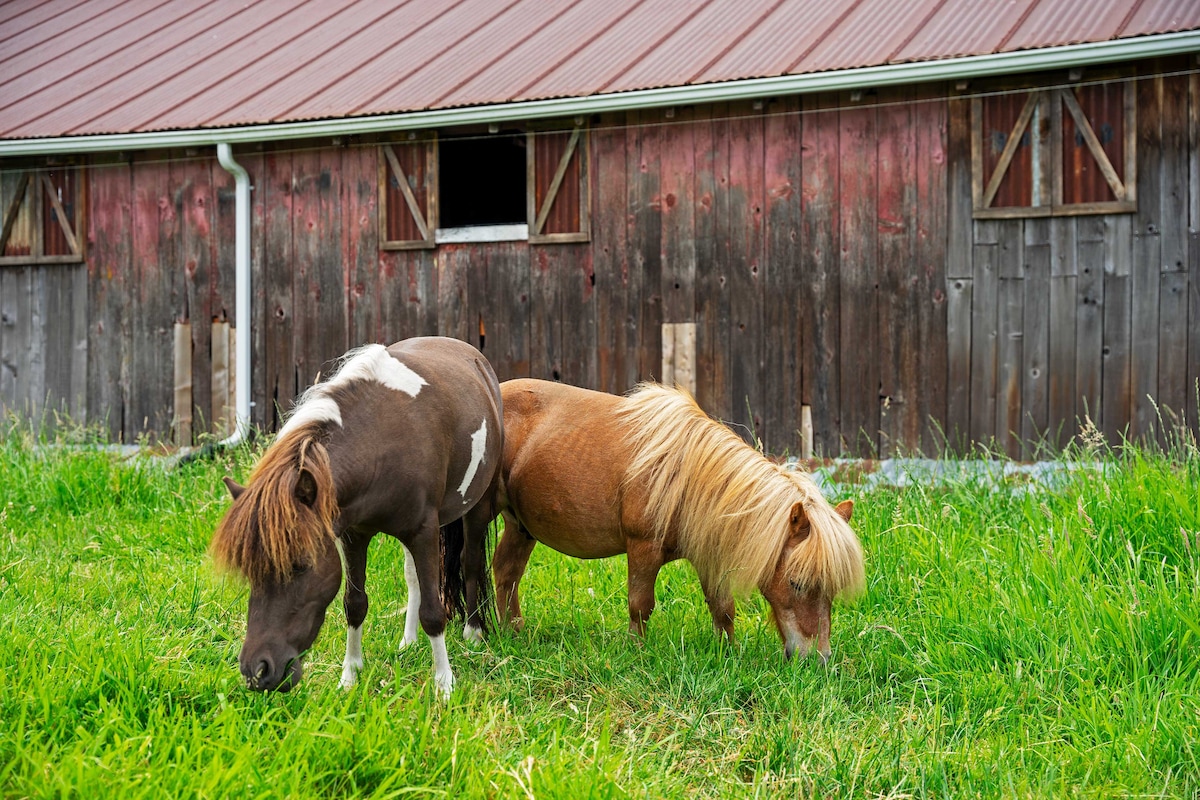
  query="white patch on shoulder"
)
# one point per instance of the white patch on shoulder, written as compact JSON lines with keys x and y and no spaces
{"x":371,"y":362}
{"x":478,"y":447}
{"x":397,"y":375}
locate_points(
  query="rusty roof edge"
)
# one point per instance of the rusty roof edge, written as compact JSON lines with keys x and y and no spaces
{"x":959,"y":68}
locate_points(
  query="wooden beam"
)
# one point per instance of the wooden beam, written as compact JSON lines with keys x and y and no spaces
{"x":61,"y":214}
{"x":14,"y":208}
{"x":555,"y":184}
{"x":1089,"y":136}
{"x":409,"y":197}
{"x":1010,"y":148}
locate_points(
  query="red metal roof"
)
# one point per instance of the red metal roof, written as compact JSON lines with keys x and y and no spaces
{"x":71,"y":67}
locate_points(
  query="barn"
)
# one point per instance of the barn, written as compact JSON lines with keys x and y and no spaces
{"x":850,"y":227}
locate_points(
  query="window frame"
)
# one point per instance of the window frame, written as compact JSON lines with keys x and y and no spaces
{"x":1049,"y":183}
{"x":33,"y":186}
{"x":426,"y":220}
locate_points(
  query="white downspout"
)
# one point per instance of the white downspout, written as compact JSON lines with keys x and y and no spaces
{"x":242,"y":290}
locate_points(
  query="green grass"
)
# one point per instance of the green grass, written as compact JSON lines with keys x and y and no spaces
{"x":1027,"y":643}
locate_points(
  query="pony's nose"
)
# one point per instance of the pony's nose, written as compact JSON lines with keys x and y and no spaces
{"x":259,"y":675}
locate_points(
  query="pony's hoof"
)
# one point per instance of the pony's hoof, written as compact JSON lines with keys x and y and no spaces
{"x":348,"y":680}
{"x":473,"y":634}
{"x":445,"y":684}
{"x":407,"y":641}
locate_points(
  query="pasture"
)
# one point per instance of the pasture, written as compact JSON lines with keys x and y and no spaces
{"x":1020,"y":641}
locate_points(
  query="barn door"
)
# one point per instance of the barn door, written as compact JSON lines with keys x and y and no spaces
{"x":43,"y":214}
{"x":408,"y":204}
{"x":1055,"y":151}
{"x":558,"y":206}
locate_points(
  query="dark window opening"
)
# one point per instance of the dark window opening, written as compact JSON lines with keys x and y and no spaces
{"x":482,"y":180}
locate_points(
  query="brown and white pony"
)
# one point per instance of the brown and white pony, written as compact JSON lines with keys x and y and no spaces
{"x":594,"y":475}
{"x":403,"y":440}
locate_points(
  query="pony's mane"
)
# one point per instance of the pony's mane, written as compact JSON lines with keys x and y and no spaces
{"x":268,"y":531}
{"x":729,"y":506}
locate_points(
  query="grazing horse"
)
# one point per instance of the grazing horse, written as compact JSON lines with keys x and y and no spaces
{"x":594,"y":475}
{"x":403,"y":440}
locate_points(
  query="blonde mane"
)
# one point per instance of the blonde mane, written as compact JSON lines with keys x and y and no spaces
{"x":728,"y":505}
{"x":267,"y":530}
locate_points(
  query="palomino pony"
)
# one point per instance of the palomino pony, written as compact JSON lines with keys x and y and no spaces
{"x":404,"y":440}
{"x":594,"y":475}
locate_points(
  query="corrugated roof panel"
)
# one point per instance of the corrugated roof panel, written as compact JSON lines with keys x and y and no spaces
{"x":540,"y":54}
{"x":110,"y":83}
{"x":1054,"y":23}
{"x":776,"y":42}
{"x":194,"y":53}
{"x":702,"y":37}
{"x":123,"y":66}
{"x":22,"y":19}
{"x":470,"y":56}
{"x":205,"y":95}
{"x":867,"y":36}
{"x":414,"y":48}
{"x":594,"y":67}
{"x":280,"y":88}
{"x":964,"y":28}
{"x":1163,"y":16}
{"x":81,"y":47}
{"x":86,"y":23}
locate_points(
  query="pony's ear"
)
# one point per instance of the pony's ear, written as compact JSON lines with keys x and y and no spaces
{"x":305,"y":490}
{"x":845,"y":509}
{"x":798,"y":527}
{"x":235,"y":489}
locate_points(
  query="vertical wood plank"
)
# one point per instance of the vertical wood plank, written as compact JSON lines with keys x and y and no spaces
{"x":859,"y":293}
{"x":712,"y":310}
{"x":898,"y":277}
{"x":1035,"y":344}
{"x":610,"y":264}
{"x":931,"y":123}
{"x":745,"y":287}
{"x":1147,"y":258}
{"x":545,"y":314}
{"x":782,"y":336}
{"x":959,"y":323}
{"x":360,"y":244}
{"x":453,"y":267}
{"x":278,"y":362}
{"x":1062,"y":355}
{"x":960,"y":270}
{"x":645,"y":242}
{"x":820,"y":279}
{"x":110,"y":226}
{"x":1089,"y":319}
{"x":509,"y":284}
{"x":1192,"y":400}
{"x":188,"y":238}
{"x":579,"y":366}
{"x":984,"y":361}
{"x":1174,"y":233}
{"x":161,"y":267}
{"x":678,"y":242}
{"x":1116,"y":397}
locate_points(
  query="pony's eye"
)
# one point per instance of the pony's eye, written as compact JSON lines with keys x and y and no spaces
{"x":299,"y":568}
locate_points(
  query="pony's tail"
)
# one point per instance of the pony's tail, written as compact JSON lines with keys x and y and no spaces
{"x":454,"y":541}
{"x":454,"y":585}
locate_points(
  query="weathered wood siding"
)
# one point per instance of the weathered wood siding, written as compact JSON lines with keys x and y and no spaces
{"x":823,"y":246}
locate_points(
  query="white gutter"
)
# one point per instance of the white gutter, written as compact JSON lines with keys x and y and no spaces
{"x":241,"y":250}
{"x":949,"y":69}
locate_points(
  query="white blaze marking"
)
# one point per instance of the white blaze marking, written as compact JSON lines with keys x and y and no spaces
{"x":412,"y":616}
{"x":442,"y":675}
{"x":478,"y":445}
{"x":354,"y":658}
{"x":370,"y":363}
